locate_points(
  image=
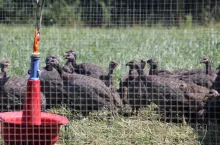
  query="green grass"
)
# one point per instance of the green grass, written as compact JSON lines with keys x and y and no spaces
{"x":101,"y":129}
{"x":172,"y":48}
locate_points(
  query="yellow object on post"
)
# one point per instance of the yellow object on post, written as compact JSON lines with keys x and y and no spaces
{"x":36,"y":42}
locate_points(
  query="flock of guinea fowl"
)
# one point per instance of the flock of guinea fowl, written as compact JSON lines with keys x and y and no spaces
{"x":189,"y":93}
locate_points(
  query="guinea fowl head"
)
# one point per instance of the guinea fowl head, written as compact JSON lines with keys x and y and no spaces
{"x":151,"y":62}
{"x":205,"y":60}
{"x":71,"y":52}
{"x":54,"y":62}
{"x":48,"y":66}
{"x":143,"y":63}
{"x":70,"y":57}
{"x":4,"y":64}
{"x":138,"y":67}
{"x":112,"y":65}
{"x":212,"y":94}
{"x":131,"y":64}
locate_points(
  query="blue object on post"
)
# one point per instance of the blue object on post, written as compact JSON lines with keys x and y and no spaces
{"x":34,"y":72}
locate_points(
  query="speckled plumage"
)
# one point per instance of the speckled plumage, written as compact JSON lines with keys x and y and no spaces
{"x":86,"y":93}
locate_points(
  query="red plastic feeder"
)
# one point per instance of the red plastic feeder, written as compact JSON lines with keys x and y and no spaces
{"x":31,"y":126}
{"x":14,"y":132}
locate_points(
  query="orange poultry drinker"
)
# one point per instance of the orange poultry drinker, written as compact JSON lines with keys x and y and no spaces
{"x":31,"y":126}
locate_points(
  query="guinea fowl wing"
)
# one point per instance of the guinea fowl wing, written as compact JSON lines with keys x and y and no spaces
{"x":91,"y":70}
{"x":90,"y":90}
{"x":15,"y":90}
{"x":52,"y":87}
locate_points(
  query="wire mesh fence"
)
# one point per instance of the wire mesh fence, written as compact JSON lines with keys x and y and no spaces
{"x":141,"y":72}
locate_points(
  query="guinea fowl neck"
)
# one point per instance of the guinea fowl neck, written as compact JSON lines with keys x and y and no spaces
{"x":110,"y":71}
{"x":60,"y":70}
{"x":68,"y":62}
{"x":49,"y":68}
{"x":153,"y":70}
{"x":3,"y":70}
{"x":140,"y":70}
{"x":73,"y":62}
{"x":208,"y":68}
{"x":111,"y":76}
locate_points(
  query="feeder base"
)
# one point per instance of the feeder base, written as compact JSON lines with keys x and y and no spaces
{"x":15,"y":132}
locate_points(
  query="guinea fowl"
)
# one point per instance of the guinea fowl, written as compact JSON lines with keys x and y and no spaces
{"x":4,"y":64}
{"x":216,"y":83}
{"x":14,"y":92}
{"x":86,"y":93}
{"x":87,"y":69}
{"x":51,"y":89}
{"x":70,"y":65}
{"x":52,"y":85}
{"x":132,"y":74}
{"x":108,"y":78}
{"x":199,"y":76}
{"x":137,"y":95}
{"x":3,"y":79}
{"x":172,"y":96}
{"x":211,"y":110}
{"x":72,"y":52}
{"x":154,"y":69}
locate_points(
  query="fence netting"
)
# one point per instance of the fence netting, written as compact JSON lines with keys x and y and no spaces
{"x":121,"y":71}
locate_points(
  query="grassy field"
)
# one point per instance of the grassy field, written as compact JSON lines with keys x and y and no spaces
{"x":172,"y":48}
{"x":101,"y":129}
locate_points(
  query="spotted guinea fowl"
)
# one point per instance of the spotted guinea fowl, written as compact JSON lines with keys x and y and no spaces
{"x":155,"y":71}
{"x":86,"y":93}
{"x":70,"y":65}
{"x":211,"y":110}
{"x":14,"y":92}
{"x":216,"y":83}
{"x":52,"y":93}
{"x":108,"y":78}
{"x":72,"y":52}
{"x":137,"y":95}
{"x":132,"y":74}
{"x":3,"y":79}
{"x":52,"y":85}
{"x":199,"y":76}
{"x":172,"y":96}
{"x":4,"y":64}
{"x":87,"y":69}
{"x":204,"y":60}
